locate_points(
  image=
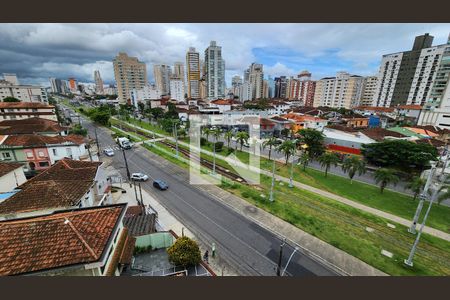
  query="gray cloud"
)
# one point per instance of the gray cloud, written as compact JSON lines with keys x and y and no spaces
{"x":38,"y":51}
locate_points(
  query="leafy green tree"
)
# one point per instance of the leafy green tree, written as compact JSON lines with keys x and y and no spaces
{"x":206,"y":131}
{"x":353,"y":165}
{"x":400,"y":154}
{"x":228,"y":135}
{"x":285,"y":132}
{"x":184,"y":252}
{"x":304,"y":160}
{"x":171,"y":111}
{"x":157,"y":112}
{"x":11,"y":99}
{"x":100,"y":117}
{"x":384,"y":176}
{"x":242,"y":138}
{"x":327,"y":160}
{"x":270,"y":143}
{"x":314,"y":140}
{"x":287,"y":148}
{"x":416,"y":185}
{"x":78,"y":129}
{"x":141,"y":107}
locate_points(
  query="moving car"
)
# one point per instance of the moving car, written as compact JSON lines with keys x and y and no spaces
{"x":159,"y":184}
{"x":139,"y":177}
{"x":108,"y":152}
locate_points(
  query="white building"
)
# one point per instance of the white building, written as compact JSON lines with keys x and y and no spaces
{"x":25,"y":110}
{"x":193,"y":73}
{"x":246,"y":91}
{"x":162,"y":75}
{"x":98,"y":83}
{"x":148,"y":92}
{"x":215,"y":72}
{"x":11,"y":176}
{"x":369,"y":90}
{"x":25,"y":93}
{"x":11,"y":78}
{"x":256,"y":77}
{"x":177,"y":89}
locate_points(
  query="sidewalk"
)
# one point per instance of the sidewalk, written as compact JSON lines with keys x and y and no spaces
{"x":388,"y":216}
{"x":166,"y":221}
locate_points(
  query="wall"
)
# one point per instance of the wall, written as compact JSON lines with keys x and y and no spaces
{"x":11,"y":180}
{"x":156,"y":240}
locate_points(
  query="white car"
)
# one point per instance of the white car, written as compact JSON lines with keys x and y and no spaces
{"x":108,"y":152}
{"x":139,"y":177}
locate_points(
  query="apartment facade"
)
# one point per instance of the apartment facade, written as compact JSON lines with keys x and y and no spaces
{"x":25,"y":110}
{"x":214,"y":71}
{"x":98,"y":83}
{"x":177,"y":89}
{"x":25,"y":93}
{"x":369,"y":90}
{"x":130,"y":74}
{"x":344,"y":90}
{"x":281,"y":87}
{"x":407,"y":78}
{"x":256,"y":79}
{"x":162,"y":74}
{"x":193,"y":73}
{"x":302,"y":88}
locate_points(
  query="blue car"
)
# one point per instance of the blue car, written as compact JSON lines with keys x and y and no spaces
{"x":161,"y":185}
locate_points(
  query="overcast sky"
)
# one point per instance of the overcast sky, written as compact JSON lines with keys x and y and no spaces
{"x":36,"y":52}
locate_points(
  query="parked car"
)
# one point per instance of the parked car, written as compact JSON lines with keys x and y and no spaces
{"x":139,"y":177}
{"x":108,"y":152}
{"x":159,"y":184}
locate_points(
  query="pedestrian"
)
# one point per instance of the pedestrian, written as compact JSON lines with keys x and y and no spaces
{"x":205,"y":256}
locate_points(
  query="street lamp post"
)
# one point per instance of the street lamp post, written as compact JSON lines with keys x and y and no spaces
{"x":126,"y":165}
{"x":280,"y":257}
{"x":423,"y":197}
{"x":273,"y":182}
{"x":292,"y":173}
{"x":289,"y":260}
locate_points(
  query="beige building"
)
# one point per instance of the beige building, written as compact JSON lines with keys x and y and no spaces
{"x":25,"y":110}
{"x":130,"y":74}
{"x":25,"y":93}
{"x":11,"y":176}
{"x":344,"y":90}
{"x":162,"y":75}
{"x":369,"y":90}
{"x":193,"y":73}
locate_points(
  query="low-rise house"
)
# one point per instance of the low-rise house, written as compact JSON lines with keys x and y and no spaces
{"x":224,"y":105}
{"x":355,"y":121}
{"x":77,"y":242}
{"x":278,"y":107}
{"x":32,"y":126}
{"x":306,"y":121}
{"x":345,"y":142}
{"x":266,"y":126}
{"x":280,"y":124}
{"x":25,"y":110}
{"x":39,"y":152}
{"x":11,"y":176}
{"x":408,"y":112}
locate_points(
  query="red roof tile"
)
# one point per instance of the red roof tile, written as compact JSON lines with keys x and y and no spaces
{"x":49,"y":242}
{"x":33,"y":140}
{"x":30,"y":126}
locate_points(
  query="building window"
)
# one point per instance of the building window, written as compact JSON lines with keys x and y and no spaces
{"x":44,"y":164}
{"x":29,"y":154}
{"x":54,"y":152}
{"x":6,"y":155}
{"x":41,"y":154}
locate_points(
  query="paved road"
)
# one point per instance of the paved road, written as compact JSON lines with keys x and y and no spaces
{"x":247,"y":247}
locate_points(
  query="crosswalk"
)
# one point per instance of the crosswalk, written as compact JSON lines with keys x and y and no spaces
{"x":114,"y":147}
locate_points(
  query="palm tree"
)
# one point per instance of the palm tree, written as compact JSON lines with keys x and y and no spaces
{"x":385,"y":176}
{"x":304,"y":160}
{"x":353,"y":165}
{"x":216,"y":133}
{"x":242,"y":137}
{"x":285,"y":132}
{"x":287,"y":148}
{"x":416,"y":185}
{"x":207,"y":131}
{"x":228,"y":135}
{"x":328,"y":159}
{"x":269,"y":143}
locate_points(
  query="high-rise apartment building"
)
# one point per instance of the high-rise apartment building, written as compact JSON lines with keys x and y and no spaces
{"x":302,"y":88}
{"x":407,"y":77}
{"x":25,"y":93}
{"x":193,"y":73}
{"x":246,"y":91}
{"x":178,"y":71}
{"x":98,"y":83}
{"x":203,"y":88}
{"x":215,"y":71}
{"x":11,"y":78}
{"x":281,"y":87}
{"x":344,"y":90}
{"x":177,"y":89}
{"x":162,"y":74}
{"x":73,"y":86}
{"x":255,"y":77}
{"x":271,"y":87}
{"x":369,"y":90}
{"x":265,"y":94}
{"x":130,"y":74}
{"x":236,"y":86}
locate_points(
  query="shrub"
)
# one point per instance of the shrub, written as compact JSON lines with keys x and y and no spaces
{"x":218,"y":146}
{"x":245,"y":194}
{"x":203,"y":141}
{"x":184,"y":252}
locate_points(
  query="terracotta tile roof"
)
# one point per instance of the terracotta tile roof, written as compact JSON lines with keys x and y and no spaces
{"x":410,"y":107}
{"x":342,"y":128}
{"x":43,"y":195}
{"x":279,"y":119}
{"x":29,"y":126}
{"x":49,"y":242}
{"x":33,"y":140}
{"x":134,"y":210}
{"x":25,"y":105}
{"x":5,"y":168}
{"x":225,"y":102}
{"x":68,"y":169}
{"x":432,"y":142}
{"x":302,"y":118}
{"x":378,"y":134}
{"x":375,"y":108}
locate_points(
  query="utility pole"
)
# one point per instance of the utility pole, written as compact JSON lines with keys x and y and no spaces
{"x":280,"y":257}
{"x":214,"y":156}
{"x":135,"y":192}
{"x":89,"y":152}
{"x":126,"y":165}
{"x":423,"y":196}
{"x":176,"y":137}
{"x":140,"y":193}
{"x":96,"y":141}
{"x":273,"y":182}
{"x":292,"y":173}
{"x":289,"y":260}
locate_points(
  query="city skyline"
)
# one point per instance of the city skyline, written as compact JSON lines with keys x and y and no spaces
{"x":36,"y":52}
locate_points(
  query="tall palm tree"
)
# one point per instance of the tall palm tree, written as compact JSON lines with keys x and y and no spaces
{"x":287,"y":148}
{"x":228,"y":135}
{"x":216,"y":133}
{"x":304,"y":160}
{"x":353,"y":165}
{"x":327,"y":160}
{"x":242,"y":137}
{"x":416,"y":185}
{"x":385,"y":176}
{"x":206,"y":131}
{"x":269,"y":143}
